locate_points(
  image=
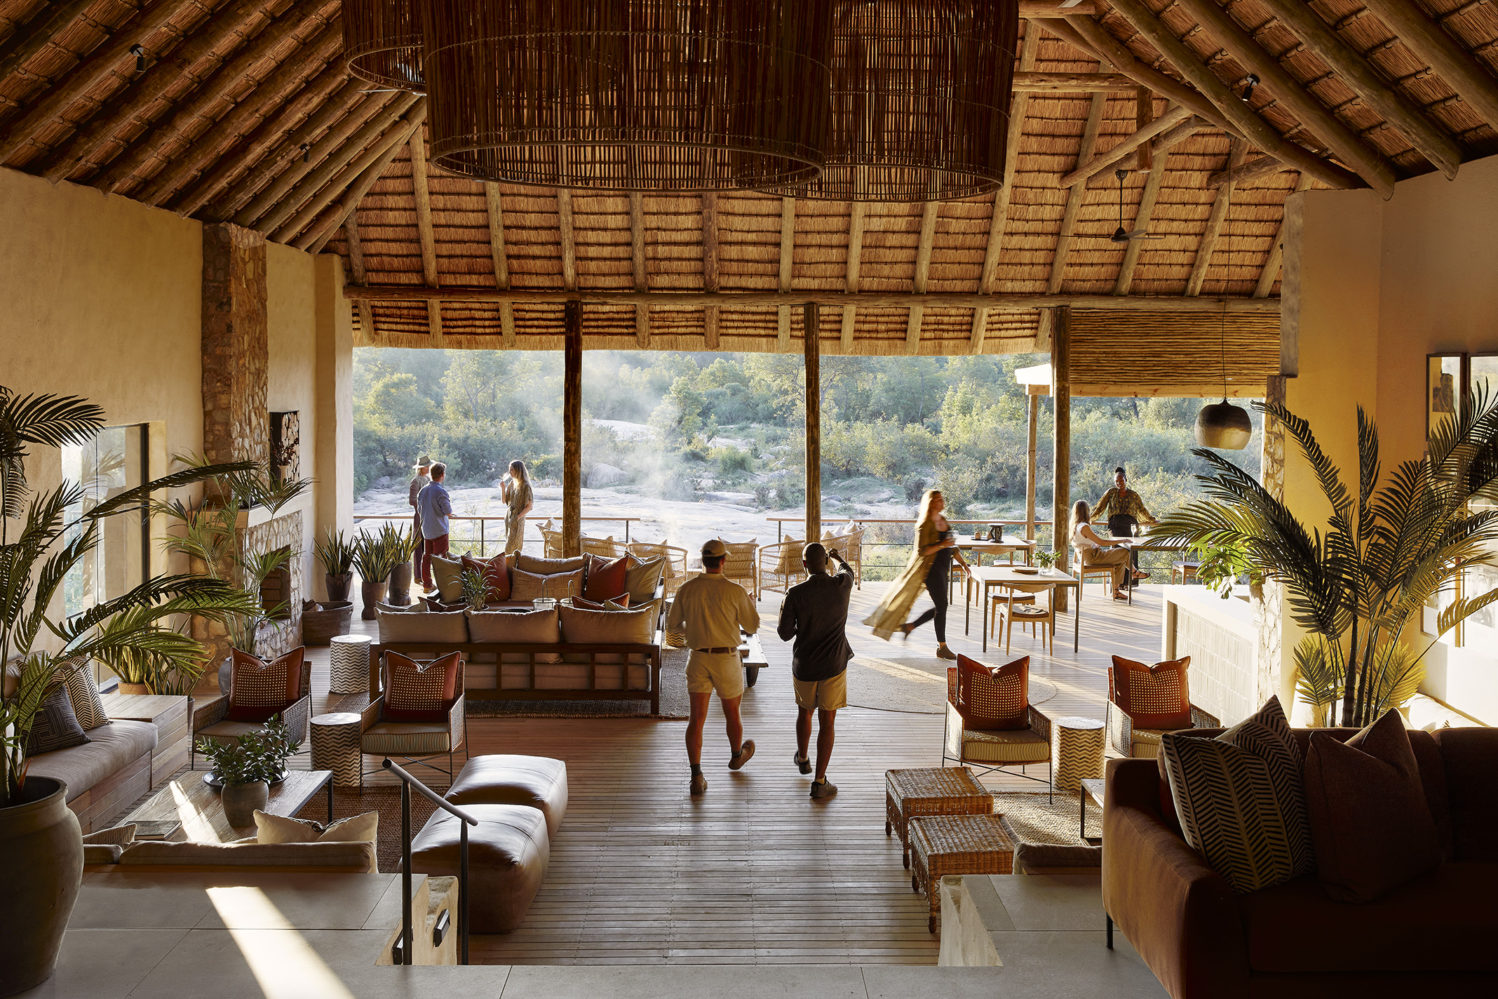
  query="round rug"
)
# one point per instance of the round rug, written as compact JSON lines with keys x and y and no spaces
{"x":913,"y":685}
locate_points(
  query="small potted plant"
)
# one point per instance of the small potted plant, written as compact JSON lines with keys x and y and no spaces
{"x":475,"y":589}
{"x":402,"y":542}
{"x":336,"y":554}
{"x":247,"y":767}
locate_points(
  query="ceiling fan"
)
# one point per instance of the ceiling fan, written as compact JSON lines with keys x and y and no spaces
{"x":1120,"y":235}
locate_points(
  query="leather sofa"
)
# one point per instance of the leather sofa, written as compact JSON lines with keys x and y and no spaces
{"x":1434,"y":934}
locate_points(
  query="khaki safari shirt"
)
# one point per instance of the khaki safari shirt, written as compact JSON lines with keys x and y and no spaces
{"x":713,"y":608}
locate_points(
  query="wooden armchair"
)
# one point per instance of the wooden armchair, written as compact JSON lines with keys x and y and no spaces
{"x":994,"y":749}
{"x":850,"y":547}
{"x":676,"y":562}
{"x":412,"y":742}
{"x":780,"y":565}
{"x":1125,"y":738}
{"x":213,"y":724}
{"x":551,"y":541}
{"x":742,"y":565}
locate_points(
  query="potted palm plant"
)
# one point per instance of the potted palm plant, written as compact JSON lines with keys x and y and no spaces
{"x":41,"y":847}
{"x":335,"y":552}
{"x":1357,"y":580}
{"x":246,"y":768}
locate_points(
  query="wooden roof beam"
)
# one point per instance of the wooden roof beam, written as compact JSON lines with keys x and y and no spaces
{"x":1309,"y":111}
{"x":1270,"y":272}
{"x":495,"y":210}
{"x":787,"y":260}
{"x":1208,"y":243}
{"x":1245,"y":169}
{"x":33,"y":36}
{"x":357,"y":274}
{"x":637,"y":257}
{"x":374,"y":168}
{"x":1442,"y":53}
{"x":1120,"y":152}
{"x":1125,"y":280}
{"x":568,"y":239}
{"x":1030,"y":82}
{"x":107,"y":58}
{"x":710,"y":268}
{"x":137,"y":96}
{"x":917,"y":313}
{"x":422,"y":191}
{"x":1037,"y":9}
{"x":1075,"y":195}
{"x":1432,"y":143}
{"x":857,"y":211}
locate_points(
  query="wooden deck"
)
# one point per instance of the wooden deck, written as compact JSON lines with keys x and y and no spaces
{"x":755,"y":872}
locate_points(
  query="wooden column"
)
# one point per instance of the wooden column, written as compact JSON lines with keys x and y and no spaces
{"x":811,"y":340}
{"x":1032,"y":418}
{"x":1061,"y":444}
{"x":572,"y":429}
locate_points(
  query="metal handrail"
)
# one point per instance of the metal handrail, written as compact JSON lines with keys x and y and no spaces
{"x":465,"y":820}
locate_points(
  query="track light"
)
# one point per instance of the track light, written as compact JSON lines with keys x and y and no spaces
{"x":1248,"y":87}
{"x":139,"y":52}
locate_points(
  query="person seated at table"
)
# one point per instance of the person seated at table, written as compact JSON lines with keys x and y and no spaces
{"x":1124,"y":509}
{"x":1093,"y":550}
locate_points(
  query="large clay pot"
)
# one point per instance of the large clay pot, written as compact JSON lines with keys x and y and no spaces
{"x":338,"y":586}
{"x":132,"y":688}
{"x":41,"y":866}
{"x":373,"y":593}
{"x":241,"y":800}
{"x":400,"y":585}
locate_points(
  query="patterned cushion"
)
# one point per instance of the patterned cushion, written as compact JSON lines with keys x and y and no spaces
{"x":83,"y":693}
{"x":54,"y":725}
{"x":420,"y":691}
{"x":605,"y":577}
{"x":1240,"y":801}
{"x":1005,"y":746}
{"x":993,"y":697}
{"x":1153,"y":696}
{"x":496,"y":574}
{"x":259,"y":690}
{"x":529,"y":586}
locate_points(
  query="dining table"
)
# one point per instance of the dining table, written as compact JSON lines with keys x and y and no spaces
{"x":1026,"y":579}
{"x":978,"y":548}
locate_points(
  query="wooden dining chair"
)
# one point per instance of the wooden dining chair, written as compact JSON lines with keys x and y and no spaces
{"x":1013,"y":607}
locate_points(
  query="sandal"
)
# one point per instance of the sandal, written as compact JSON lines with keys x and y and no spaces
{"x":905,"y":630}
{"x":1120,"y":596}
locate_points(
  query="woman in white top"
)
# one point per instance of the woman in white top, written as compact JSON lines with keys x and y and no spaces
{"x":1094,"y":550}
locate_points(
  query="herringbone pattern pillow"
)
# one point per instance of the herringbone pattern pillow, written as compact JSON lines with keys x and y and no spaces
{"x":83,"y":692}
{"x":1240,"y":800}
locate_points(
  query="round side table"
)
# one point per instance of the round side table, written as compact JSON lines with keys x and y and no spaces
{"x":348,"y":664}
{"x":335,"y":746}
{"x":1076,"y":751}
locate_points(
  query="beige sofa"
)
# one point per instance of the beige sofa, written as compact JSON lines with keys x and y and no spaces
{"x":105,"y":774}
{"x":353,"y":858}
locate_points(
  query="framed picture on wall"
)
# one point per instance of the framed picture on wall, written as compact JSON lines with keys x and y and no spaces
{"x":1445,"y":380}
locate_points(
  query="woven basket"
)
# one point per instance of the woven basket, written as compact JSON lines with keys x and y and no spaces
{"x":320,"y":622}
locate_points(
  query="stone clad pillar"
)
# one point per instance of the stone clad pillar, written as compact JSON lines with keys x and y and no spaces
{"x":236,"y":353}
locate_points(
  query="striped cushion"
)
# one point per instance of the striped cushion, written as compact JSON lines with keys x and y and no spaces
{"x":1240,"y":800}
{"x":418,"y":691}
{"x":406,"y":738}
{"x":83,"y":692}
{"x":1153,"y":696}
{"x":259,"y":690}
{"x":1004,"y":746}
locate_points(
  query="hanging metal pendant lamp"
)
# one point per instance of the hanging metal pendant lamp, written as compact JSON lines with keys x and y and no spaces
{"x":920,"y":100}
{"x":382,"y":43}
{"x":629,"y":95}
{"x":1223,"y":425}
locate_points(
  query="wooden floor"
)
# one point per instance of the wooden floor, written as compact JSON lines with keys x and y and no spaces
{"x":755,"y":872}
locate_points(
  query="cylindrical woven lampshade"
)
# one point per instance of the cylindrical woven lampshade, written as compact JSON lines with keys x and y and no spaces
{"x":382,"y":43}
{"x":920,"y":99}
{"x":629,"y":95}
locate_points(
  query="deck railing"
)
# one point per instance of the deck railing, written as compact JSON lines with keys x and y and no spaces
{"x":407,"y":941}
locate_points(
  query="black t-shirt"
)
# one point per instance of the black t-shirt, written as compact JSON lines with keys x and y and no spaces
{"x":941,"y":564}
{"x":815,"y":614}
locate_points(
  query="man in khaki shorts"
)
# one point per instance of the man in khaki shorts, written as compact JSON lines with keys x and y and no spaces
{"x":713,"y":609}
{"x":815,"y":613}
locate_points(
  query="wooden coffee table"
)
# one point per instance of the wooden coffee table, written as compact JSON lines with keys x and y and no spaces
{"x":196,"y":805}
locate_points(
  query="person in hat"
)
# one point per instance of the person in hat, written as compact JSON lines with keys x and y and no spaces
{"x":713,"y":610}
{"x":421,"y":480}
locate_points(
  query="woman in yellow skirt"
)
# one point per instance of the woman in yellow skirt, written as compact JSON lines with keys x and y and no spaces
{"x":928,"y":568}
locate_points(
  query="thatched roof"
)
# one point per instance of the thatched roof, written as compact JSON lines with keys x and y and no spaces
{"x":243,"y":111}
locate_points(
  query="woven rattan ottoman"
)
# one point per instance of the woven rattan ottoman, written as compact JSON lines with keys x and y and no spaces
{"x":930,"y":791}
{"x":955,"y":844}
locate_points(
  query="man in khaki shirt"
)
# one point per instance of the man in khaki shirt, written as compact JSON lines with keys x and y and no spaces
{"x":713,"y":610}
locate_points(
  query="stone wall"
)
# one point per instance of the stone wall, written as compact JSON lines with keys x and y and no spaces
{"x":276,"y":637}
{"x":1269,"y":608}
{"x":236,"y":352}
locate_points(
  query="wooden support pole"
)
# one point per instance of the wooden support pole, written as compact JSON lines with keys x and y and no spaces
{"x":1029,"y":82}
{"x":356,"y":271}
{"x":710,"y":268}
{"x":499,"y":256}
{"x":1215,"y":222}
{"x":1246,"y":169}
{"x":1032,"y":422}
{"x":572,"y":428}
{"x":856,"y":214}
{"x":1276,"y":258}
{"x":787,"y":260}
{"x":1061,"y":446}
{"x":1125,"y":279}
{"x":917,"y":314}
{"x":1120,"y":152}
{"x":1442,"y":53}
{"x":567,"y":236}
{"x":1031,"y":9}
{"x":812,"y":341}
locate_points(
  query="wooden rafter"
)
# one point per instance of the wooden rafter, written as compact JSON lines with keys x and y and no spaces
{"x":82,"y":78}
{"x":33,"y":36}
{"x":422,"y":191}
{"x":1125,"y":280}
{"x":356,"y":272}
{"x":917,"y":313}
{"x":1075,"y":196}
{"x":1120,"y":152}
{"x":1035,"y":9}
{"x":1276,"y":259}
{"x":568,"y":239}
{"x":787,"y":260}
{"x":710,"y":268}
{"x":1215,"y":222}
{"x":499,"y":256}
{"x":1030,"y":82}
{"x":637,"y":257}
{"x":376,"y":165}
{"x":1442,"y":53}
{"x":1246,"y":169}
{"x":856,"y":212}
{"x":1310,"y":112}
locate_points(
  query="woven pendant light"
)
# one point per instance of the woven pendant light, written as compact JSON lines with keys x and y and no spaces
{"x":382,"y":43}
{"x":629,"y":95}
{"x":1223,"y":425}
{"x":920,"y":99}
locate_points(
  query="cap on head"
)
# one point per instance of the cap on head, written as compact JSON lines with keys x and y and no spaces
{"x":714,"y":549}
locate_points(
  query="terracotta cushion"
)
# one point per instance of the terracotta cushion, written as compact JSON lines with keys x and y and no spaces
{"x":993,"y":697}
{"x":1154,"y":696}
{"x":496,"y":574}
{"x":420,"y":691}
{"x":259,"y":690}
{"x":605,"y":577}
{"x":1370,"y":823}
{"x":507,"y":856}
{"x":528,"y":586}
{"x":535,"y":781}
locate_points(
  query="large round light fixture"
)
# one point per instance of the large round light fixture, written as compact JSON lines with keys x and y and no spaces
{"x":1223,"y":426}
{"x":382,"y":43}
{"x":920,"y":100}
{"x":629,"y":95}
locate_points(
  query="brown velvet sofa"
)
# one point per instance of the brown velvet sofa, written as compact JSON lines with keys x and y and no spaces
{"x":1437,"y":934}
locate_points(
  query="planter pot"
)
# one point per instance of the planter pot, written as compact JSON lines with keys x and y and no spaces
{"x":241,"y":800}
{"x":41,"y":866}
{"x":321,"y":622}
{"x":133,"y":688}
{"x":372,"y":593}
{"x":338,"y":587}
{"x":400,"y":585}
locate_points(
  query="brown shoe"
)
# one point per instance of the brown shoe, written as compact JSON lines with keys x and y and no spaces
{"x":737,"y":760}
{"x":699,"y":785}
{"x":942,"y":652}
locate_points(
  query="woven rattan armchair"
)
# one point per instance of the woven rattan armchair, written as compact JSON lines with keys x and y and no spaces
{"x":850,"y":547}
{"x":551,"y":541}
{"x":676,"y":562}
{"x":994,"y":749}
{"x":413,"y":742}
{"x":742,"y":565}
{"x":212,"y":722}
{"x":780,"y":565}
{"x":1125,"y":738}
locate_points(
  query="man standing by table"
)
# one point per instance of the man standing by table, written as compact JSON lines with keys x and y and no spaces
{"x":1123,"y":509}
{"x":712,"y":609}
{"x":815,"y":614}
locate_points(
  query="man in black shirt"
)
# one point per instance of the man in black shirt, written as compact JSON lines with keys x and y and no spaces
{"x":815,"y":613}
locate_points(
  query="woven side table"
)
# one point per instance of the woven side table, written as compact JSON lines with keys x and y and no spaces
{"x":930,"y":791}
{"x":348,"y":663}
{"x":1076,"y":751}
{"x":955,"y":844}
{"x":335,"y":747}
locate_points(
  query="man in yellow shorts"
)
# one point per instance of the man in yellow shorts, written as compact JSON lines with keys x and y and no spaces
{"x":713,"y":609}
{"x":815,"y":613}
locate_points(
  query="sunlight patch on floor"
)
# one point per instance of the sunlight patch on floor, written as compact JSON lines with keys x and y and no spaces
{"x":281,"y":960}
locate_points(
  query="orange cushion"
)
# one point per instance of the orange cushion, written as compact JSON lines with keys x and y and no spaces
{"x":1153,"y":696}
{"x":993,"y":697}
{"x":259,"y":690}
{"x":606,"y":577}
{"x":496,"y":574}
{"x":417,"y":690}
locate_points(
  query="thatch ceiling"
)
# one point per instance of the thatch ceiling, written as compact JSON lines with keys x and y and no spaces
{"x":243,"y":111}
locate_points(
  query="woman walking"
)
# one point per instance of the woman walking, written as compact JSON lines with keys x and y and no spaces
{"x":1096,"y":551}
{"x":929,"y":566}
{"x":515,"y":490}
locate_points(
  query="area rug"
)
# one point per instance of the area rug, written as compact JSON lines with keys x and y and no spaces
{"x":1044,"y":833}
{"x":913,"y":685}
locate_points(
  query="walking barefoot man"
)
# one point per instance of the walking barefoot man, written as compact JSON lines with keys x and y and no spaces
{"x":815,"y":613}
{"x":713,"y":610}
